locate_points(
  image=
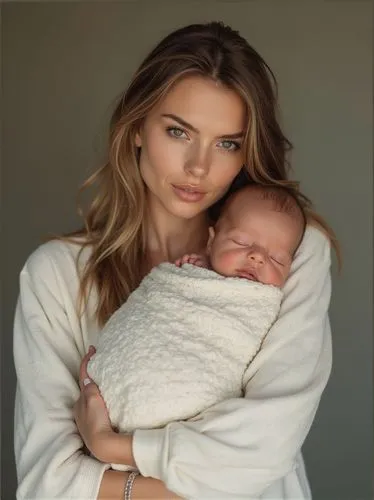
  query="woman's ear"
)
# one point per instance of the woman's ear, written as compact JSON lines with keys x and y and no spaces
{"x":138,"y":140}
{"x":139,"y":130}
{"x":212,"y":235}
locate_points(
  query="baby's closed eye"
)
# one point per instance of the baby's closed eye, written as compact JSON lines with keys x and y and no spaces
{"x":240,"y":243}
{"x":277,"y":260}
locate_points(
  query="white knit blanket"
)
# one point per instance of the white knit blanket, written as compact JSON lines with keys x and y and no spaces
{"x":180,"y":344}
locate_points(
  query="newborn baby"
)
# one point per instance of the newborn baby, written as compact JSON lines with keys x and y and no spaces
{"x":255,"y":238}
{"x":185,"y":336}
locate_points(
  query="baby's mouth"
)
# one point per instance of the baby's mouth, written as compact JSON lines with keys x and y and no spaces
{"x":249,"y":275}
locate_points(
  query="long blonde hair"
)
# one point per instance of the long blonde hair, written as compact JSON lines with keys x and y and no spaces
{"x":114,"y":222}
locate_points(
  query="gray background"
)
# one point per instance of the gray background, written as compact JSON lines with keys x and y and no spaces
{"x":64,"y":63}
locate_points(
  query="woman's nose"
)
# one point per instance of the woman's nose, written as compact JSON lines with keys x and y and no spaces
{"x":198,"y":164}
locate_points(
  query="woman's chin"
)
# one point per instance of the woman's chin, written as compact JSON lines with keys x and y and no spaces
{"x":188,"y":214}
{"x":187,"y":211}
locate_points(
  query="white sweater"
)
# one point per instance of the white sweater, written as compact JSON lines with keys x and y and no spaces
{"x":243,"y":448}
{"x":180,"y":343}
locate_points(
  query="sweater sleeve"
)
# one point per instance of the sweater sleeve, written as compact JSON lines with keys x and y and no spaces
{"x":49,"y":458}
{"x":239,"y":447}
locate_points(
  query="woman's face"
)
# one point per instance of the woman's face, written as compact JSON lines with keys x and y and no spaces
{"x":191,"y":146}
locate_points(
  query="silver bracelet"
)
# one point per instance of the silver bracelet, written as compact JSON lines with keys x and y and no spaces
{"x":130,"y":484}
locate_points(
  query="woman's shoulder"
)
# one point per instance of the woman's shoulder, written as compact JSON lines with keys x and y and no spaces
{"x":313,"y":257}
{"x":64,"y":256}
{"x":315,"y":248}
{"x":315,"y":238}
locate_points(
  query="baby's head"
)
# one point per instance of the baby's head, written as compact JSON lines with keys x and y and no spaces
{"x":257,"y":235}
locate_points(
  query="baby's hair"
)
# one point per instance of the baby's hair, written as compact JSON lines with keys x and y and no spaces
{"x":282,"y":198}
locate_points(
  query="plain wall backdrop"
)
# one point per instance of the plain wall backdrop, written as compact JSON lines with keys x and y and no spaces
{"x":63,"y":64}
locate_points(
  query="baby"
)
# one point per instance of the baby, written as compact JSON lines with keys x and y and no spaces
{"x":256,"y":236}
{"x":185,"y":336}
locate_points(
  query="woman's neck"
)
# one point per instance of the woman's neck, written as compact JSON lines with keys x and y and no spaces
{"x":169,"y":237}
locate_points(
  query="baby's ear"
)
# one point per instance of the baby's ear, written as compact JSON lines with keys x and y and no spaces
{"x":212,"y":235}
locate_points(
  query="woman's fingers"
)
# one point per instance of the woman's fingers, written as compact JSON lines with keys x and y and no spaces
{"x":87,"y":385}
{"x":84,"y":379}
{"x":92,"y":394}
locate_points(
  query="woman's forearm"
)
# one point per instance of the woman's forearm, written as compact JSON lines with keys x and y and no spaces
{"x":113,"y":486}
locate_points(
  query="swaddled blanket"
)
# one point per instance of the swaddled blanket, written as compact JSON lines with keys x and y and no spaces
{"x":180,"y":344}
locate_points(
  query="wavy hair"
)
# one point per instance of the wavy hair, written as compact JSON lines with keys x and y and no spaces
{"x":114,"y":222}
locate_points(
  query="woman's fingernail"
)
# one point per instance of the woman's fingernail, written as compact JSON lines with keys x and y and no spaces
{"x":86,"y":381}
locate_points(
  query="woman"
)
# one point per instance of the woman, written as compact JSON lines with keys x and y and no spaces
{"x":197,"y":121}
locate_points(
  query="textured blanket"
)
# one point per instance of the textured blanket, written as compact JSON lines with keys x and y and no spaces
{"x":180,"y":344}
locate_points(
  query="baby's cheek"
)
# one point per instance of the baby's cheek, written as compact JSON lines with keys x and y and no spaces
{"x":225,"y":263}
{"x":273,"y":276}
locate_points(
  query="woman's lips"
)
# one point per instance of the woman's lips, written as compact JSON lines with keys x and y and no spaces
{"x":188,"y":193}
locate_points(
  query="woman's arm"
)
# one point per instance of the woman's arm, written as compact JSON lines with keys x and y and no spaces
{"x":92,"y":419}
{"x":239,"y":447}
{"x":48,"y":349}
{"x":112,"y":487}
{"x":47,"y":352}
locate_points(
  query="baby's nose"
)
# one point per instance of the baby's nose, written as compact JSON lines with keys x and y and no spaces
{"x":256,"y":257}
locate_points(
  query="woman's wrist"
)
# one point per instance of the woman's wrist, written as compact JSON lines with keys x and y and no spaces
{"x":113,"y":486}
{"x":119,"y":449}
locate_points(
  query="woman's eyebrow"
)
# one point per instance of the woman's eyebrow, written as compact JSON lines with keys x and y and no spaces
{"x":187,"y":125}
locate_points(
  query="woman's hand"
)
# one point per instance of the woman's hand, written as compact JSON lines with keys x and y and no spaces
{"x":91,"y":415}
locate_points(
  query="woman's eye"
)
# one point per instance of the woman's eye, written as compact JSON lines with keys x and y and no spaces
{"x":229,"y":145}
{"x":176,"y":132}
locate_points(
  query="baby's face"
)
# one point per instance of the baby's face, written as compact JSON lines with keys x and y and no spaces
{"x":255,"y":242}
